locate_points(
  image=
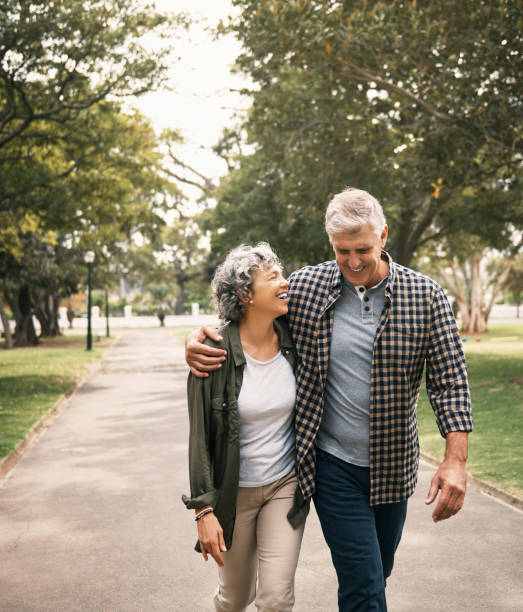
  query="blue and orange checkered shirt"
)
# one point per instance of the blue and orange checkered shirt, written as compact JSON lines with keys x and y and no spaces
{"x":416,"y":328}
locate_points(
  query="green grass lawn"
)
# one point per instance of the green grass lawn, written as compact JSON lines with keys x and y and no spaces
{"x":33,"y":379}
{"x":495,"y":370}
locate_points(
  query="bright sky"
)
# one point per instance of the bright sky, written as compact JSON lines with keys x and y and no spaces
{"x":201,"y":103}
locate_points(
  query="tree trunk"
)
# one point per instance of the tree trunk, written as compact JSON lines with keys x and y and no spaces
{"x":40,"y":314}
{"x":181,"y":297}
{"x":55,"y":315}
{"x":5,"y":324}
{"x":47,"y":315}
{"x":474,"y":316}
{"x":464,"y":312}
{"x":453,"y":285}
{"x":25,"y":331}
{"x":502,"y":279}
{"x":477,"y":322}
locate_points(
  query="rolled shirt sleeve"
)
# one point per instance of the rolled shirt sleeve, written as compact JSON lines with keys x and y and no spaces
{"x":203,"y":490}
{"x":446,"y":370}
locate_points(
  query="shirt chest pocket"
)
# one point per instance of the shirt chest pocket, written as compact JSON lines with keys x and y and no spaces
{"x":406,"y":344}
{"x":224,"y":418}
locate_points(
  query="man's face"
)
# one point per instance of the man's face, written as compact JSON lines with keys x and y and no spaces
{"x":359,"y":256}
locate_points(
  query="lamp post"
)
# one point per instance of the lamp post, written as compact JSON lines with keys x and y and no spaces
{"x":107,"y":314}
{"x":89,"y":258}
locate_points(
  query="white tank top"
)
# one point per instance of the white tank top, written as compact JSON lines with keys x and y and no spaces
{"x":266,"y":409}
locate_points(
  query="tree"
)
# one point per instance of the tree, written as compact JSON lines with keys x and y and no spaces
{"x":178,"y":253}
{"x":514,"y":284}
{"x":474,"y":277}
{"x":417,"y":104}
{"x":59,"y":58}
{"x":116,"y":190}
{"x":184,"y":254}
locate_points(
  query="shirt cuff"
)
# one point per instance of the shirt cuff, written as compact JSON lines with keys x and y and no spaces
{"x":200,"y":501}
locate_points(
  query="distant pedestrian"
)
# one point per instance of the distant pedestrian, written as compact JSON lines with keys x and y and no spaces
{"x":70,"y":316}
{"x":161,"y":315}
{"x":250,"y":512}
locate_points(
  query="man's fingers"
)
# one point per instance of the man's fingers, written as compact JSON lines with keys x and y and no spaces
{"x":202,"y":350}
{"x":204,"y":552}
{"x":204,"y":359}
{"x":441,"y":509}
{"x":198,"y":373}
{"x":433,"y":491}
{"x":449,"y":504}
{"x":205,"y":367}
{"x":211,"y":333}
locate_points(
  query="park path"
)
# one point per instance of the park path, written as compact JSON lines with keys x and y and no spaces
{"x":91,"y":517}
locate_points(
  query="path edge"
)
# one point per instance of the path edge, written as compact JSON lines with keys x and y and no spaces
{"x":44,"y":422}
{"x":481,"y":485}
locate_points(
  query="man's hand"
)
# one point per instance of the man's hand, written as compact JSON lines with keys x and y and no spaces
{"x":210,"y":534}
{"x":450,"y":478}
{"x":200,"y":357}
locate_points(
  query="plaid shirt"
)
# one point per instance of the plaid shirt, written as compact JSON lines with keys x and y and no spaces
{"x":416,"y":327}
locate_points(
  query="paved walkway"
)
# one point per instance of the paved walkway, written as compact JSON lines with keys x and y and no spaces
{"x":91,"y":517}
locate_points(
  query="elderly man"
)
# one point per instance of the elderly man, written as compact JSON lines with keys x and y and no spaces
{"x":364,"y":328}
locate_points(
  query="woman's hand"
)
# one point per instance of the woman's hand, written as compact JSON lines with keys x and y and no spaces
{"x":210,"y":534}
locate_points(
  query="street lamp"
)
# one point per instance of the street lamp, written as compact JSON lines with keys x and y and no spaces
{"x":107,"y":314}
{"x":89,"y":258}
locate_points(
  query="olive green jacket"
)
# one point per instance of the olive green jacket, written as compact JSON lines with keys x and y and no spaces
{"x":214,"y":448}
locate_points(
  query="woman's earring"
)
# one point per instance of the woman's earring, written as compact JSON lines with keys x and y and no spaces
{"x":251,"y":302}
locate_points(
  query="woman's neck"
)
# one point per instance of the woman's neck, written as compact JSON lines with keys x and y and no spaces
{"x":258,"y":337}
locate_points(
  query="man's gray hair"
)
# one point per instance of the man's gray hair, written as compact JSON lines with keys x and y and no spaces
{"x":235,"y":276}
{"x":350,"y":210}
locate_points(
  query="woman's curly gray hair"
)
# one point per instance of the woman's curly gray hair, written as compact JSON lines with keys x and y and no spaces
{"x":235,"y":276}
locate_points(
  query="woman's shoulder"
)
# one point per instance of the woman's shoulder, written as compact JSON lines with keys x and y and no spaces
{"x":224,"y":329}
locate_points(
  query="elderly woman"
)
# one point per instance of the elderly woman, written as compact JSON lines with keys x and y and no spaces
{"x":249,"y":511}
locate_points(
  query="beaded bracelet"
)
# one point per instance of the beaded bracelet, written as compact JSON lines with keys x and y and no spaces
{"x":203,"y":513}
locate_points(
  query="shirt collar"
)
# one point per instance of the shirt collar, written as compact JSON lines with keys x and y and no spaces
{"x":392,"y":273}
{"x":236,"y":344}
{"x":336,"y":277}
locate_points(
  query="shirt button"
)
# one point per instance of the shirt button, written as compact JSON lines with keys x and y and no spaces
{"x":365,"y":299}
{"x":367,"y":308}
{"x":361,"y":289}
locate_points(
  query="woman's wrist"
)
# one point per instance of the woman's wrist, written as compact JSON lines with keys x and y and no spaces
{"x":203,"y":512}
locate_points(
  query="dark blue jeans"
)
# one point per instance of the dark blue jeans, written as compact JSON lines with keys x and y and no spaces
{"x":362,"y":538}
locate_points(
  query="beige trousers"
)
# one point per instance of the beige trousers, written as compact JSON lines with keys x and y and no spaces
{"x":264,"y":546}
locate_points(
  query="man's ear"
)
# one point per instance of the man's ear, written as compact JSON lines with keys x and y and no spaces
{"x":384,"y":235}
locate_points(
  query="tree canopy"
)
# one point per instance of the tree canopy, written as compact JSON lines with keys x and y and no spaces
{"x":409,"y":100}
{"x":78,"y":171}
{"x":59,"y":58}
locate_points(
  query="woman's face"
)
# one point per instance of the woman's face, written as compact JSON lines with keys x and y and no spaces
{"x":269,"y":292}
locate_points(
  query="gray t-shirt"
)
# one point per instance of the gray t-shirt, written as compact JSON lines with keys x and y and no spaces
{"x":344,"y":430}
{"x":266,"y":409}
